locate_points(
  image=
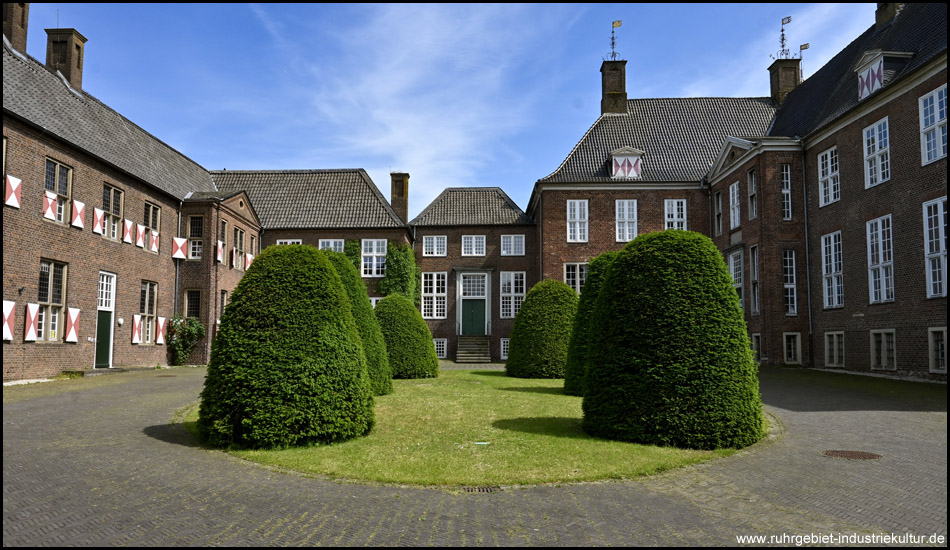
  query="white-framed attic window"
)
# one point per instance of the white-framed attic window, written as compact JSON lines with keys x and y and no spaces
{"x":626,"y":163}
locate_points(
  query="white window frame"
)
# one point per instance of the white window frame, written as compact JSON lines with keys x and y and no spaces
{"x":937,"y":349}
{"x":786,"y":177}
{"x":149,"y":294}
{"x":291,"y":241}
{"x":336,"y":245}
{"x":577,"y":219}
{"x":63,"y":192}
{"x":832,"y":266}
{"x":112,"y":216}
{"x":877,"y":149}
{"x":933,"y":126}
{"x":195,"y":243}
{"x":373,"y":300}
{"x":512,"y":245}
{"x":795,"y":358}
{"x":735,"y":269}
{"x":880,"y":260}
{"x":935,"y":246}
{"x":834,"y":349}
{"x":511,"y":293}
{"x":754,"y":279}
{"x":441,"y":346}
{"x":882,"y":341}
{"x":504,"y":347}
{"x":51,"y":313}
{"x":789,"y":283}
{"x":829,"y":182}
{"x":373,"y":253}
{"x":434,"y":245}
{"x":675,"y":210}
{"x":626,"y":216}
{"x":478,"y":288}
{"x":735,"y":209}
{"x":473,"y":245}
{"x":753,"y":199}
{"x":575,"y":275}
{"x":435,"y":295}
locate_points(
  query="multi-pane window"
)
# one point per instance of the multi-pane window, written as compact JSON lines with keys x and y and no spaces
{"x":735,"y":213}
{"x":152,"y":222}
{"x":828,"y":183}
{"x":883,"y":349}
{"x":935,"y":246}
{"x":793,"y":347}
{"x":335,"y":245}
{"x":512,"y":245}
{"x":58,"y":181}
{"x":832,"y":269}
{"x":434,"y":295}
{"x":626,"y":220}
{"x":434,"y":245}
{"x":112,"y":211}
{"x":504,"y":348}
{"x":753,"y":199}
{"x":473,"y":286}
{"x":788,"y":279}
{"x":193,"y":303}
{"x":937,"y":346}
{"x":718,"y":212}
{"x":880,"y":260}
{"x":51,"y":294}
{"x":675,"y":213}
{"x":374,"y":257}
{"x":223,"y":234}
{"x":877,"y":164}
{"x":933,"y":125}
{"x":512,"y":293}
{"x":735,"y":268}
{"x":253,"y":245}
{"x":754,"y":278}
{"x":196,"y":231}
{"x":441,"y":347}
{"x":324,"y":245}
{"x":756,"y":344}
{"x":147,"y":298}
{"x":105,"y":297}
{"x":577,"y":221}
{"x":237,"y":259}
{"x":575,"y":274}
{"x":473,"y":245}
{"x":786,"y":175}
{"x":834,"y":349}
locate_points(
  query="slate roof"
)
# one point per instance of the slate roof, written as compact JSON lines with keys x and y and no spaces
{"x":680,"y":137}
{"x":305,"y":199}
{"x":471,"y":206}
{"x":833,"y":90}
{"x":32,"y":93}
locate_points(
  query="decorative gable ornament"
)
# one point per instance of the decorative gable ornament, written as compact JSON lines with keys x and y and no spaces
{"x":127,"y":232}
{"x":72,"y":324}
{"x":11,"y":193}
{"x":179,"y":245}
{"x":98,"y":221}
{"x":626,"y":163}
{"x":49,"y":206}
{"x":9,"y":315}
{"x":79,"y":214}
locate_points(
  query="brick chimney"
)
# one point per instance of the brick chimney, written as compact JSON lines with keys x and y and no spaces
{"x":614,"y":85}
{"x":399,"y":197}
{"x":784,"y":76}
{"x":64,"y":53}
{"x":885,"y":13}
{"x":16,"y":18}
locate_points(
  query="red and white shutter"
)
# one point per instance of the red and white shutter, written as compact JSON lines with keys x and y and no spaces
{"x":11,"y":192}
{"x":234,"y":258}
{"x":32,"y":322}
{"x":140,"y":235}
{"x":136,"y":329}
{"x":154,"y":240}
{"x":160,"y":331}
{"x":220,"y":254}
{"x":98,"y":221}
{"x":248,"y":258}
{"x":79,"y":214}
{"x":72,"y":324}
{"x":9,"y":314}
{"x":179,"y":246}
{"x":127,"y":231}
{"x":49,"y":205}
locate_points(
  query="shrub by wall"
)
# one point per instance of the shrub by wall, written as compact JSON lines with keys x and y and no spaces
{"x":400,"y":275}
{"x":287,"y":366}
{"x":575,"y":368}
{"x":542,"y":331}
{"x":669,"y":360}
{"x":408,"y":340}
{"x":374,"y":347}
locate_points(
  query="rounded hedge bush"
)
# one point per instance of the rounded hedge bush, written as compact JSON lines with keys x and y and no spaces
{"x":287,"y":366}
{"x":377,"y":360}
{"x":542,"y":331}
{"x":575,"y":368}
{"x":669,"y":360}
{"x":408,"y":340}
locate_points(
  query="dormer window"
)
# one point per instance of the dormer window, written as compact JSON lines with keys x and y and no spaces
{"x":876,"y":68}
{"x":626,"y":163}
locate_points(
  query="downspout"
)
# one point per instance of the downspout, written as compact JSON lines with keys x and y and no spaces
{"x":177,"y":261}
{"x":811,"y":342}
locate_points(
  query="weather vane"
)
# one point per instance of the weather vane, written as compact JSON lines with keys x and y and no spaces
{"x":784,"y":53}
{"x":613,"y":40}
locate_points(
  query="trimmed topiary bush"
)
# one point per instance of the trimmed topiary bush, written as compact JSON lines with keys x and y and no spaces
{"x":575,"y":368}
{"x":374,"y":347}
{"x":287,"y":366}
{"x":542,"y":331}
{"x":408,"y":340}
{"x":669,"y":360}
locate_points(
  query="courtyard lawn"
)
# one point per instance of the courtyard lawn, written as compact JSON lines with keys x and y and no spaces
{"x":477,"y":428}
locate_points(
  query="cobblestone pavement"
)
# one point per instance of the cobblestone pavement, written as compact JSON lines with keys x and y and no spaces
{"x":104,"y":466}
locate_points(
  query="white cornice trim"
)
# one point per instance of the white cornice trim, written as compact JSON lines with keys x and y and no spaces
{"x":782,"y":145}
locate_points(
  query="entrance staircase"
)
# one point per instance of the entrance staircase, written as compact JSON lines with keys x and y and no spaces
{"x":473,"y":349}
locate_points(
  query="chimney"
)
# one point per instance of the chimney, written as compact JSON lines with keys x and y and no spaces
{"x":885,"y":13}
{"x":399,"y":197}
{"x":64,"y":52}
{"x":614,"y":85}
{"x":16,"y":17}
{"x":784,"y":76}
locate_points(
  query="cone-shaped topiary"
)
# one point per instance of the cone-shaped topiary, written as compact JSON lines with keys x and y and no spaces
{"x":287,"y":366}
{"x":669,"y":360}
{"x":408,"y":340}
{"x":542,"y":331}
{"x":377,"y":360}
{"x":575,"y":369}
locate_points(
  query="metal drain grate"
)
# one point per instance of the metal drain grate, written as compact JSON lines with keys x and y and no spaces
{"x":480,"y":489}
{"x":851,"y":455}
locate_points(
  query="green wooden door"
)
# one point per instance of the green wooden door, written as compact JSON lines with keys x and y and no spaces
{"x":473,"y":317}
{"x":104,"y":339}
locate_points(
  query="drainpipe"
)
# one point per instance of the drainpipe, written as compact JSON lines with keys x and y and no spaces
{"x":177,"y":261}
{"x":811,"y":340}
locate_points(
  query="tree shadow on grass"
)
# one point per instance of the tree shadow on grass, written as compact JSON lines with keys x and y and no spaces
{"x":556,"y":426}
{"x":552,"y":391}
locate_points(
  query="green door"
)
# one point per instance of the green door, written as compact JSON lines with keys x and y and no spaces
{"x":104,"y":340}
{"x":473,"y":317}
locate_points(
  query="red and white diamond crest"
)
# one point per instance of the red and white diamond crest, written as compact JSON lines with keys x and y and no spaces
{"x":11,"y":193}
{"x":98,"y":221}
{"x":72,"y":324}
{"x":32,"y":322}
{"x":179,"y":245}
{"x":49,"y":205}
{"x":9,"y":312}
{"x":79,"y":214}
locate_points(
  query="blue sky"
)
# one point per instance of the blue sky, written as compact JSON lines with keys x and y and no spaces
{"x":456,"y":95}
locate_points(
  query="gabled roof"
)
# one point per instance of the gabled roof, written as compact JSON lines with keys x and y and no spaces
{"x":41,"y":98}
{"x":471,"y":206}
{"x":236,"y":201}
{"x":833,"y":90}
{"x":680,"y":137}
{"x":311,"y":199}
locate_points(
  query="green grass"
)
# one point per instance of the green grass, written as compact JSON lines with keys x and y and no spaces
{"x":477,"y":428}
